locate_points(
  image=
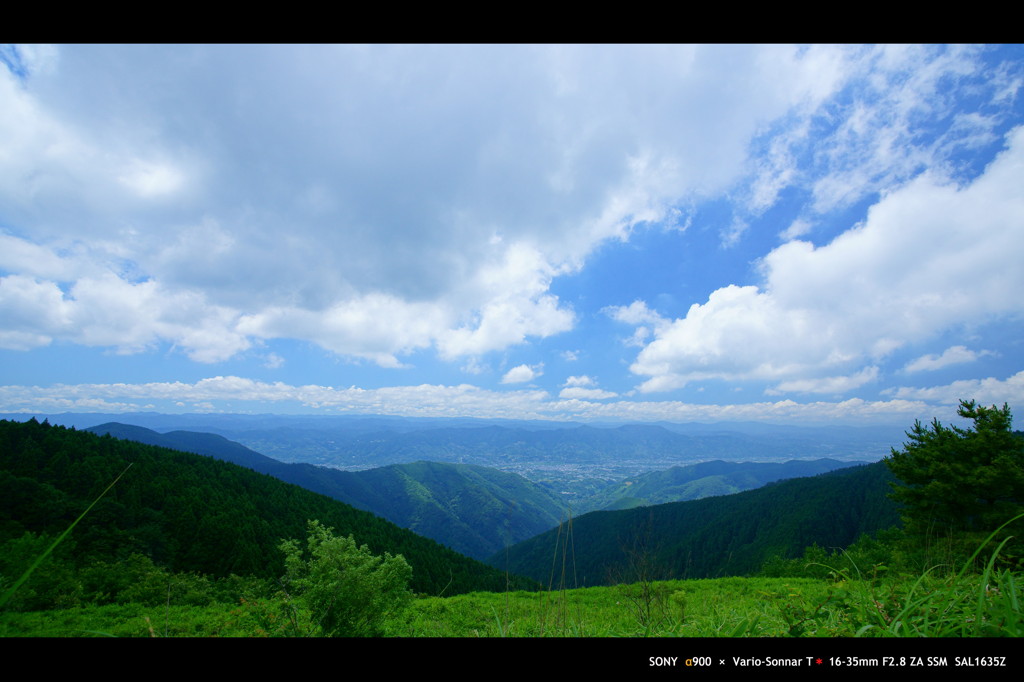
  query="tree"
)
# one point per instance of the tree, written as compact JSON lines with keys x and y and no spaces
{"x":348,"y":591}
{"x":955,"y":480}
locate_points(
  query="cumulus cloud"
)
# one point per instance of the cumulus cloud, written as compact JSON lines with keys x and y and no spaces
{"x":835,"y":385}
{"x":989,"y":391}
{"x":511,"y":300}
{"x":108,"y":311}
{"x":930,"y":256}
{"x":954,"y":355}
{"x":521,"y":374}
{"x":383,"y":200}
{"x":375,"y":327}
{"x":637,"y":313}
{"x":586,"y":393}
{"x":436,"y":401}
{"x":373,"y":200}
{"x":584,"y":388}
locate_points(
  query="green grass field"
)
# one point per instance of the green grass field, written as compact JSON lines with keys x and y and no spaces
{"x":979,"y":605}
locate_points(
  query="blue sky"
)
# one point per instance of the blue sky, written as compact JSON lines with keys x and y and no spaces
{"x":688,"y":233}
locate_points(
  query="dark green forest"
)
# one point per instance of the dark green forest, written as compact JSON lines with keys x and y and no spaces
{"x":712,"y":537}
{"x":187,"y":513}
{"x":474,"y":510}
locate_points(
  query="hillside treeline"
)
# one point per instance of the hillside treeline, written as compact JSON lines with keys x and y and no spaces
{"x":188,"y":513}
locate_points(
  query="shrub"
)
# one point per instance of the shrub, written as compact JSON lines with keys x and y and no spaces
{"x":347,"y":590}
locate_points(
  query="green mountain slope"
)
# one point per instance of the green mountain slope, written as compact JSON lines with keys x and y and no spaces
{"x":474,"y":510}
{"x":190,"y":513}
{"x":716,"y":536}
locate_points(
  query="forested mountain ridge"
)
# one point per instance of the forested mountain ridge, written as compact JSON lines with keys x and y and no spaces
{"x":477,"y":510}
{"x":188,"y":512}
{"x":474,"y":510}
{"x":480,"y":510}
{"x":711,"y":537}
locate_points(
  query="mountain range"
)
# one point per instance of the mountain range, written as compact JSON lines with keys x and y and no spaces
{"x":724,"y":535}
{"x":475,"y":510}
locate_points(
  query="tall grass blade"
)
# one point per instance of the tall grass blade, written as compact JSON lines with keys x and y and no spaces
{"x":35,"y":564}
{"x":970,"y":561}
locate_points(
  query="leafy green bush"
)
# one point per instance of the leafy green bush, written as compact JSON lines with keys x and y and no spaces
{"x":346,"y":590}
{"x":53,"y":586}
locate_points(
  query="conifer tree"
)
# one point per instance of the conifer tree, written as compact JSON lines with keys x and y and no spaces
{"x":954,"y":479}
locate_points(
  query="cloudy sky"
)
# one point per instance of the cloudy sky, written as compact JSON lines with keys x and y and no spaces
{"x":689,"y":233}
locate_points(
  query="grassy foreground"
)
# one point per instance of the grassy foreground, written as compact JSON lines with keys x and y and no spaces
{"x":986,"y":605}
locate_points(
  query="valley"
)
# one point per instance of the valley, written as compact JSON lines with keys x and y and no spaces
{"x":650,"y":534}
{"x":479,"y":510}
{"x":570,"y":460}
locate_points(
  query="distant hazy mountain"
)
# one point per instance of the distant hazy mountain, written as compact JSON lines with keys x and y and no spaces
{"x":570,"y":460}
{"x":697,"y":481}
{"x":188,"y":441}
{"x":474,"y":510}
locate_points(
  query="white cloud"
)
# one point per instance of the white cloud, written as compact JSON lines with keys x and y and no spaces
{"x":304,"y":190}
{"x":510,"y":298}
{"x":835,"y":385}
{"x":376,"y":327}
{"x":797,"y":228}
{"x":862,"y":133}
{"x":953,"y":355}
{"x":732,"y":235}
{"x":32,"y":312}
{"x":990,"y":391}
{"x":521,"y":374}
{"x":151,"y":179}
{"x":586,"y":393}
{"x":636,"y":313}
{"x":423,"y":400}
{"x":273,"y":361}
{"x":584,"y":387}
{"x":108,"y":311}
{"x":875,"y":144}
{"x":474,"y":366}
{"x":33,"y":260}
{"x":930,"y":256}
{"x":439,"y":401}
